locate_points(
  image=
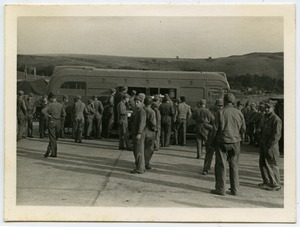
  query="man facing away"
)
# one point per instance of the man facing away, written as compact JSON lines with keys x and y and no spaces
{"x":63,"y":119}
{"x":204,"y":120}
{"x":79,"y":109}
{"x":184,"y":113}
{"x":54,"y":111}
{"x":31,"y":108}
{"x":89,"y":118}
{"x":150,"y":130}
{"x":138,"y":135}
{"x":97,"y":121}
{"x":269,"y":153}
{"x":155,"y":106}
{"x":167,"y":112}
{"x":21,"y":115}
{"x":229,"y":124}
{"x":124,"y":142}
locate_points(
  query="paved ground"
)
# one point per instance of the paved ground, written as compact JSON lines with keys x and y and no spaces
{"x":96,"y":173}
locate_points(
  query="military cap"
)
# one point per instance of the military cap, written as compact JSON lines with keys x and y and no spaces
{"x":219,"y":102}
{"x":253,"y":104}
{"x":139,"y":97}
{"x":148,"y":101}
{"x":30,"y":95}
{"x":124,"y":88}
{"x":229,"y":98}
{"x":20,"y":92}
{"x":270,"y":103}
{"x":202,"y":102}
{"x":239,"y":103}
{"x":126,"y":96}
{"x":51,"y":96}
{"x":65,"y":97}
{"x":155,"y":104}
{"x":133,"y":92}
{"x":112,"y":90}
{"x":78,"y":97}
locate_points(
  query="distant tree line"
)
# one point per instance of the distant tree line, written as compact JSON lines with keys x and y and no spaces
{"x":40,"y":70}
{"x":256,"y":82}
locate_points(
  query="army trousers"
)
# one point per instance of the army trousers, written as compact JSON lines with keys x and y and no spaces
{"x":97,"y":126}
{"x":54,"y":127}
{"x":269,"y":165}
{"x":124,"y":141}
{"x":165,"y":133}
{"x":181,"y":131}
{"x":88,"y":126}
{"x":227,"y":153}
{"x":138,"y":152}
{"x":149,"y":146}
{"x":21,"y":126}
{"x":78,"y":125}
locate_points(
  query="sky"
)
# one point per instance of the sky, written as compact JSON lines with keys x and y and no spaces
{"x":185,"y":37}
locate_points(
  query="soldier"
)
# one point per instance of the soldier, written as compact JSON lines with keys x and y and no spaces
{"x":30,"y":105}
{"x":131,"y":103}
{"x":175,"y":122}
{"x":97,"y":122}
{"x":150,"y":130}
{"x":167,"y":112}
{"x":110,"y":113}
{"x":21,"y":115}
{"x":211,"y":143}
{"x":89,"y":118}
{"x":155,"y":106}
{"x":246,"y":110}
{"x":228,"y":125}
{"x":43,"y":121}
{"x":63,"y":119}
{"x":79,"y":109}
{"x":54,"y":111}
{"x":239,"y":105}
{"x":269,"y":154}
{"x":138,"y":135}
{"x":184,"y":113}
{"x":204,"y":120}
{"x":124,"y":142}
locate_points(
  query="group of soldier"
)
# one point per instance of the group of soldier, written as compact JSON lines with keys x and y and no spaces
{"x":146,"y":123}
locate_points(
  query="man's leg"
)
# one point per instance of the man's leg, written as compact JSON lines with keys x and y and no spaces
{"x":220,"y":169}
{"x":233,"y":152}
{"x":199,"y":145}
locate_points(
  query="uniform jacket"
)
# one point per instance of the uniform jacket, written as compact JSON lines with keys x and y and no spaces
{"x":21,"y":107}
{"x":166,"y":111}
{"x":204,"y":121}
{"x":184,"y":111}
{"x":138,"y":121}
{"x":55,"y":110}
{"x":30,"y":105}
{"x":150,"y":119}
{"x":229,"y":124}
{"x":79,"y":109}
{"x":158,"y":118}
{"x":122,"y":113}
{"x":90,"y":110}
{"x":98,"y":107}
{"x":271,"y":130}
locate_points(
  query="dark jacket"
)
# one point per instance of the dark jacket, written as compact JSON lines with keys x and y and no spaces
{"x":55,"y":110}
{"x":166,"y":111}
{"x":138,"y":121}
{"x":271,"y":130}
{"x":21,"y":107}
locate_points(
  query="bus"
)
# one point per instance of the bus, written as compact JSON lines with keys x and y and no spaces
{"x":88,"y":81}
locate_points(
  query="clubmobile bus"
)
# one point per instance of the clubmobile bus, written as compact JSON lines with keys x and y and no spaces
{"x":89,"y":81}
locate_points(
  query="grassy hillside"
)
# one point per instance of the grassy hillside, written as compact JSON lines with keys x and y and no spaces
{"x":268,"y":64}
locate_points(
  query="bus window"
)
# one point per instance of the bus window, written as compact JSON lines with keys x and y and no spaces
{"x":170,"y":91}
{"x":73,"y":88}
{"x":192,"y":94}
{"x":137,"y":89}
{"x":214,"y":94}
{"x":153,"y":91}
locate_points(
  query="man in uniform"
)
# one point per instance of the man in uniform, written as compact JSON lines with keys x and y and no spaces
{"x":211,"y":143}
{"x":175,"y":122}
{"x":138,"y":135}
{"x":89,"y":118}
{"x":155,"y":106}
{"x":229,"y":124}
{"x":30,"y":105}
{"x":79,"y":109}
{"x":246,"y":111}
{"x":43,"y":102}
{"x":124,"y":142}
{"x":250,"y":123}
{"x":167,"y":112}
{"x":110,"y":113}
{"x":63,"y":119}
{"x":184,"y":113}
{"x":204,"y":121}
{"x":54,"y":111}
{"x":150,"y":130}
{"x":21,"y":115}
{"x":98,"y":108}
{"x":269,"y":154}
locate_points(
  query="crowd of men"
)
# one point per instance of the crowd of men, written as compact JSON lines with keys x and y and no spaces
{"x":146,"y":123}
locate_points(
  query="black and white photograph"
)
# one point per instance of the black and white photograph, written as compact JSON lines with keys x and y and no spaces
{"x":153,"y":113}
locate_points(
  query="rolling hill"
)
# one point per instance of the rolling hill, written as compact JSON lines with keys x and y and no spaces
{"x":267,"y":64}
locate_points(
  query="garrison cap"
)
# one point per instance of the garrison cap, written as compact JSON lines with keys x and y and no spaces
{"x":133,"y":92}
{"x":112,"y":90}
{"x":51,"y":96}
{"x":65,"y":97}
{"x":253,"y":104}
{"x":78,"y":97}
{"x":270,"y":103}
{"x":229,"y":98}
{"x":126,"y":96}
{"x":139,"y":97}
{"x":20,"y":92}
{"x":155,"y":104}
{"x":30,"y":95}
{"x":202,"y":102}
{"x":219,"y":102}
